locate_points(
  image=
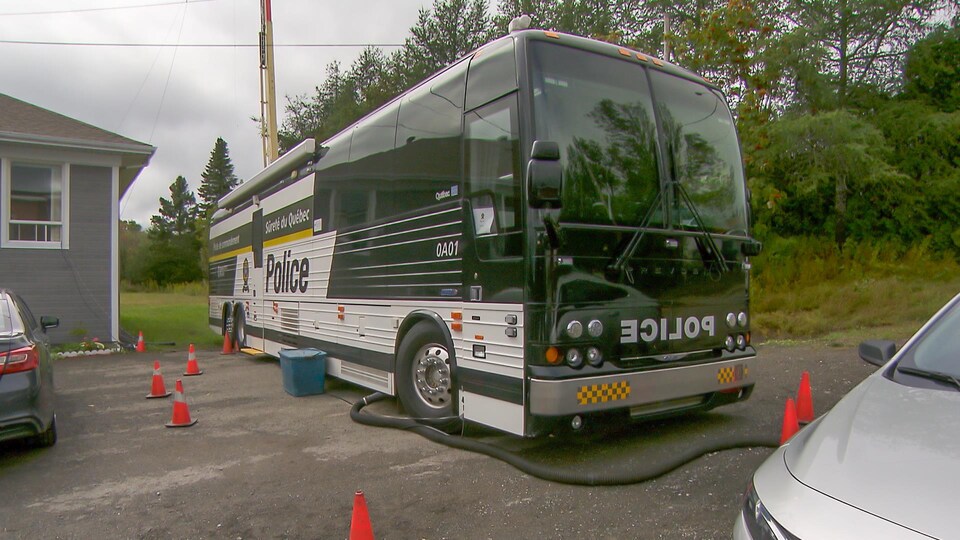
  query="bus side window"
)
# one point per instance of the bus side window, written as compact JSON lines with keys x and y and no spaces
{"x":427,"y":157}
{"x":493,"y":176}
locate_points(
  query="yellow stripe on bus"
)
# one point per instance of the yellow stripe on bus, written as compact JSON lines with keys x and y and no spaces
{"x":299,"y":235}
{"x":231,"y":254}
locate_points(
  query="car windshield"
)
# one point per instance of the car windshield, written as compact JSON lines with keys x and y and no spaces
{"x":602,"y":113}
{"x":939,"y":350}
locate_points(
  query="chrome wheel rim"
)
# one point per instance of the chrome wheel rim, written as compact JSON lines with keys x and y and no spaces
{"x":431,"y":375}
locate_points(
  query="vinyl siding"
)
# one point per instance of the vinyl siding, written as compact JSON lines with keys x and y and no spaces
{"x":72,"y":284}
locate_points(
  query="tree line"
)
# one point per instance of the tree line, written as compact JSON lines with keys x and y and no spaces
{"x":847,"y":109}
{"x":173,"y":248}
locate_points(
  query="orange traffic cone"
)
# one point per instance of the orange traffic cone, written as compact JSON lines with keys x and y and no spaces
{"x":141,"y":346}
{"x":790,"y":424}
{"x":157,"y":390}
{"x":227,"y":345}
{"x":804,"y":400}
{"x":360,"y":527}
{"x":181,"y":413}
{"x":192,"y":367}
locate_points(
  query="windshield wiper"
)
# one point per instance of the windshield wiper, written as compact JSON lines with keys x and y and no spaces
{"x":930,"y":374}
{"x":712,"y":247}
{"x":616,"y":268}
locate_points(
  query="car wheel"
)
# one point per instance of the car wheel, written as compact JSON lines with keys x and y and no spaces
{"x":425,"y":373}
{"x":48,"y":438}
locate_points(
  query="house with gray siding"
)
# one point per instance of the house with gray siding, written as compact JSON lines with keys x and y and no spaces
{"x":61,"y":181}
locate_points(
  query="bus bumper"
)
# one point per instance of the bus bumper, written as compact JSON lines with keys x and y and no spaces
{"x":646,"y":393}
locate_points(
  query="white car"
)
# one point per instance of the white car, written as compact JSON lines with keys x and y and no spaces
{"x":884,"y":462}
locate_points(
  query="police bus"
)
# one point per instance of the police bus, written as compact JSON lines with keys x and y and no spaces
{"x":548,"y":229}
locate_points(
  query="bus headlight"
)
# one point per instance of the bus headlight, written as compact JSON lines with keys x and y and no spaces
{"x":742,"y":319}
{"x":594,"y":356}
{"x":595,"y":328}
{"x":574,"y":329}
{"x":741,"y":342}
{"x":731,"y":320}
{"x":730,"y":344}
{"x":574,"y":358}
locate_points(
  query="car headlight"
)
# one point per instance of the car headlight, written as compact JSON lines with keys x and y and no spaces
{"x":760,"y":524}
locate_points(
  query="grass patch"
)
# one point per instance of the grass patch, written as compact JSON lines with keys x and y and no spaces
{"x":169,"y":316}
{"x":807,"y":288}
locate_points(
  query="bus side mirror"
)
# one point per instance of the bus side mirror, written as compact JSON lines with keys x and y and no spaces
{"x":545,"y":175}
{"x":751,"y":248}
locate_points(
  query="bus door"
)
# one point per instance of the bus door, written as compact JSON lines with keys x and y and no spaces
{"x":490,"y":369}
{"x":493,"y":260}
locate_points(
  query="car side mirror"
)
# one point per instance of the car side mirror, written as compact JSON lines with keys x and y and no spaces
{"x":545,"y":175}
{"x":49,"y":322}
{"x":877,"y":351}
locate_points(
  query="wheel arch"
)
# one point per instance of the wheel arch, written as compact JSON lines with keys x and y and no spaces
{"x":430,"y":317}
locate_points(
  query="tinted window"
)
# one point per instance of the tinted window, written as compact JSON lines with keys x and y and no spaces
{"x":599,"y":110}
{"x":493,"y":73}
{"x":332,"y":168}
{"x":427,"y":160}
{"x":372,"y":137}
{"x":493,"y":174}
{"x":704,"y":153}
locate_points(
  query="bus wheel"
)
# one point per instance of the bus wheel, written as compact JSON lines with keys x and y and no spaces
{"x":424,"y":373}
{"x":239,"y":327}
{"x":225,"y":322}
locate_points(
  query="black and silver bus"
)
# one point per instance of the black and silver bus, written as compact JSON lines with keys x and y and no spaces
{"x":548,"y":229}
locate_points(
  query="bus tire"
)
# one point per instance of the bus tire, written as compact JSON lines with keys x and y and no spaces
{"x":239,"y":327}
{"x":225,"y":313}
{"x":425,"y":373}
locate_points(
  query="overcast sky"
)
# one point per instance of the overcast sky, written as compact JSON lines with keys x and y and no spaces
{"x":180,"y":99}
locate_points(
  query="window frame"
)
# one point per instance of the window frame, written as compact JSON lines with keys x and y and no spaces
{"x":6,"y":179}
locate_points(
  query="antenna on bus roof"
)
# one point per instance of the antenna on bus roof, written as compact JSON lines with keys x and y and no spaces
{"x":519,"y":23}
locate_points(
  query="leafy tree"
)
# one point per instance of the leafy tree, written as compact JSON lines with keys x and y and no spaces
{"x":860,"y":42}
{"x":609,"y":20}
{"x":817,"y":163}
{"x":218,"y":177}
{"x":452,"y":29}
{"x":932,"y":71}
{"x":133,"y":244}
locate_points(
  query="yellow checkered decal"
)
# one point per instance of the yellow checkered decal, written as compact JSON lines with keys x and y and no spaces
{"x":602,"y":393}
{"x":731,"y":374}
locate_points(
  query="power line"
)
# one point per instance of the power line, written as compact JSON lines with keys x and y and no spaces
{"x":110,"y":8}
{"x":195,"y":45}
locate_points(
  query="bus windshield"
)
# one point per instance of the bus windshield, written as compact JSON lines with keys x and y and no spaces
{"x":601,"y":112}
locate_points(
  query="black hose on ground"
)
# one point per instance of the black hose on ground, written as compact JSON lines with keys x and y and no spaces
{"x":549,"y":472}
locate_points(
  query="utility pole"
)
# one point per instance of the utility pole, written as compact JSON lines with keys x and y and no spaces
{"x":666,"y":35}
{"x":268,"y":87}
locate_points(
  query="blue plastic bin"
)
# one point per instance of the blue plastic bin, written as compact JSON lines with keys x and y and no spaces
{"x":304,"y":371}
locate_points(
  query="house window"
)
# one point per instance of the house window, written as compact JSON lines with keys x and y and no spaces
{"x":35,"y":204}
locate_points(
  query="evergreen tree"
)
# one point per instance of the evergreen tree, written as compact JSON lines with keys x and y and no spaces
{"x":178,"y":215}
{"x":173,"y":255}
{"x":218,"y":176}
